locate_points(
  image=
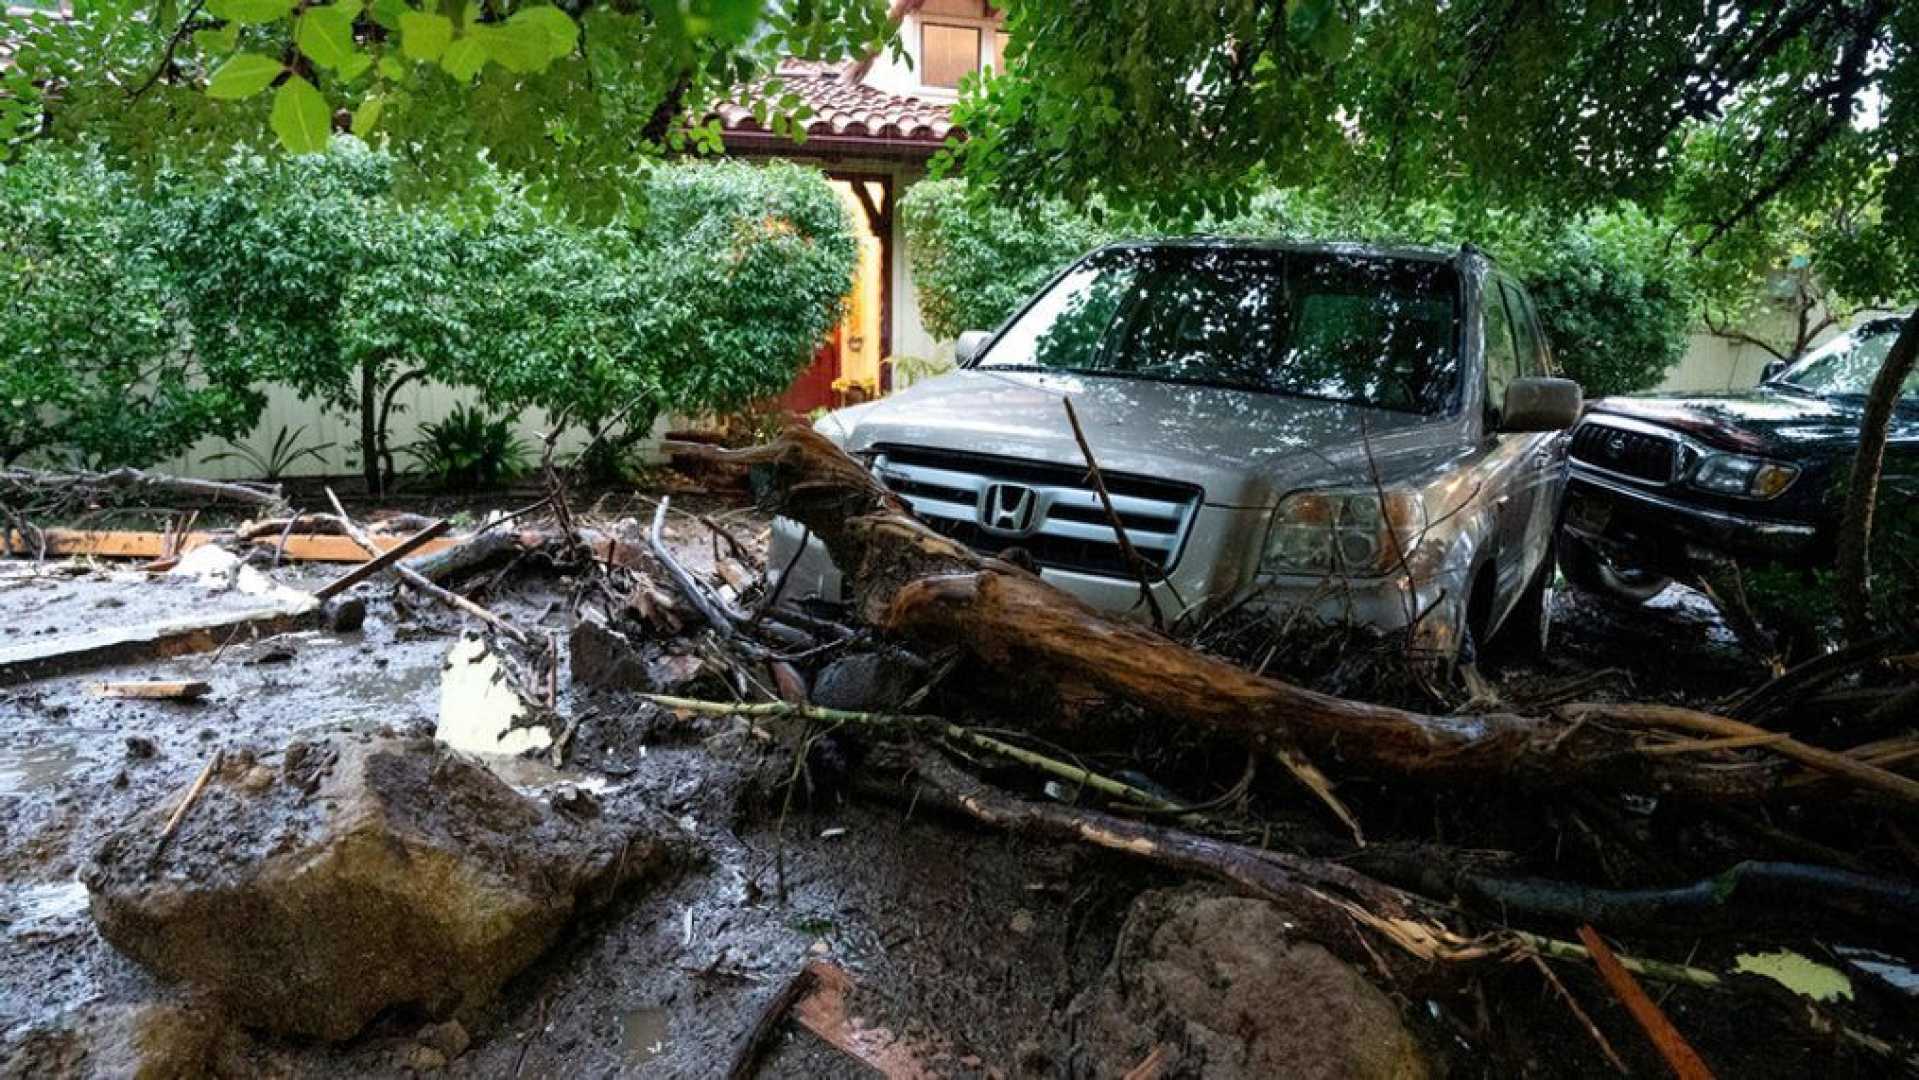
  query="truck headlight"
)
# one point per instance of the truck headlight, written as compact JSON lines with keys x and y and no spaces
{"x":1352,"y":533}
{"x":1737,"y":474}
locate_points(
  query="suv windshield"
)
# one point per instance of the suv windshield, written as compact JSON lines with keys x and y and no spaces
{"x":1846,"y":365}
{"x":1368,"y":330}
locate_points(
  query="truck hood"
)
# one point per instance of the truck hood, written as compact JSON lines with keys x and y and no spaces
{"x":1243,"y":448}
{"x":1761,"y":421}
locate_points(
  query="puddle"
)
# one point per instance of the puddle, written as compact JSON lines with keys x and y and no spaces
{"x":42,"y":909}
{"x":643,"y":1034}
{"x":1891,"y":970}
{"x":32,"y":768}
{"x":478,"y":708}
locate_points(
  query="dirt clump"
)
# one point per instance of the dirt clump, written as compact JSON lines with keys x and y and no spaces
{"x":1219,"y":986}
{"x":368,"y":873}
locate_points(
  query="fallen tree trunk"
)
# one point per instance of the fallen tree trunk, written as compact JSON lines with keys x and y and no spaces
{"x":24,"y":481}
{"x":912,"y":581}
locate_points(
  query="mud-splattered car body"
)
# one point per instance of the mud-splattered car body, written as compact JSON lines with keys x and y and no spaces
{"x":1278,"y":424}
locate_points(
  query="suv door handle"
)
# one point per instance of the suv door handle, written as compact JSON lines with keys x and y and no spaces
{"x":1499,"y":503}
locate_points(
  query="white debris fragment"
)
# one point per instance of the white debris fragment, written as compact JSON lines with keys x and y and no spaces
{"x":479,"y":711}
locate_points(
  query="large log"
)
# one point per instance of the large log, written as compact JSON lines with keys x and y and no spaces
{"x":912,"y":581}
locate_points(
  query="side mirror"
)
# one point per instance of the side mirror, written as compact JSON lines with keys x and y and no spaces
{"x":1541,"y":404}
{"x":968,"y":346}
{"x":1772,"y":370}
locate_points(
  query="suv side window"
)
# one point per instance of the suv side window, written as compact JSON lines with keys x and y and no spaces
{"x":1502,"y":356}
{"x":1532,"y":357}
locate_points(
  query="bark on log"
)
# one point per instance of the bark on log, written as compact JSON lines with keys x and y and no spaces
{"x":908,"y":579}
{"x":127,"y":479}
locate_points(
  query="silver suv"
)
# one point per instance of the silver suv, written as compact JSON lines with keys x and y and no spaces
{"x":1373,"y":432}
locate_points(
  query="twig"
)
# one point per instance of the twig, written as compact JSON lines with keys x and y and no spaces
{"x":193,"y":793}
{"x":1133,"y":562}
{"x":705,"y":604}
{"x":1321,"y":785}
{"x":1565,"y":995}
{"x":414,"y":578}
{"x":373,"y":566}
{"x":1684,"y":1061}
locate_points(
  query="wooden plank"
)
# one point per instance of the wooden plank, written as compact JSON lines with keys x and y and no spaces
{"x":177,"y":690}
{"x":152,"y":641}
{"x":373,"y":566}
{"x":127,"y":544}
{"x":1681,"y":1058}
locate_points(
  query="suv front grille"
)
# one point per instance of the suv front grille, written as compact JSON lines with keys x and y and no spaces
{"x":1638,"y":454}
{"x":1064,"y":526}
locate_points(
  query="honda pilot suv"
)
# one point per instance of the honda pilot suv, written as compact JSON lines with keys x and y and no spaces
{"x":1375,"y":433}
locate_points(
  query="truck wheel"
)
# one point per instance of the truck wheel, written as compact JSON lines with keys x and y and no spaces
{"x":1590,"y":570}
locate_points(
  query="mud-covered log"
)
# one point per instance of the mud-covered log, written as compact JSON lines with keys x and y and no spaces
{"x":912,"y":581}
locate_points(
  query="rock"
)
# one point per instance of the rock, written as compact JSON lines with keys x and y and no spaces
{"x":343,"y":615}
{"x":384,"y":873}
{"x":449,"y":1038}
{"x":1223,"y":982}
{"x":141,"y":747}
{"x":423,"y":1059}
{"x":138,"y":1042}
{"x":869,"y":682}
{"x":604,"y":658}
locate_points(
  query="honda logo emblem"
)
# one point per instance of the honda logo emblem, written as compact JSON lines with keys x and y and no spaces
{"x":1009,"y":509}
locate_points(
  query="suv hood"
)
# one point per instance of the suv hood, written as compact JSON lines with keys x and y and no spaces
{"x":1762,"y":420}
{"x":1242,"y":447}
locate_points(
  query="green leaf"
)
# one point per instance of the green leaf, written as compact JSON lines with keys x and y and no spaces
{"x":513,"y":49}
{"x":243,"y":76}
{"x":218,"y":41}
{"x":355,"y":65}
{"x":301,"y":117}
{"x":388,"y":13}
{"x":250,"y":12}
{"x":424,"y":37}
{"x":556,"y":26}
{"x":367,"y":116}
{"x":325,"y":34}
{"x":391,"y":68}
{"x":464,"y":58}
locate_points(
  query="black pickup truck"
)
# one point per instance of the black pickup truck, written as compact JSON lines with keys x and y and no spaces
{"x":1663,"y":485}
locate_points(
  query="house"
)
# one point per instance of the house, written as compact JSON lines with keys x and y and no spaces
{"x":875,"y":124}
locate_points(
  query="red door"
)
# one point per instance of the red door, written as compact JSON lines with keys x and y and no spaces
{"x":813,"y":389}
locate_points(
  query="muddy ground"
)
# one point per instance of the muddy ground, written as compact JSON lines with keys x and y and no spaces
{"x":970,"y":944}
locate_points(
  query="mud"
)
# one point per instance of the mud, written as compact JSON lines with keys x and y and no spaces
{"x":968,"y":946}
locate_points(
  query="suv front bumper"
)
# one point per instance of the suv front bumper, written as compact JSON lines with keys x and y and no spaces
{"x":1662,"y":530}
{"x":1434,"y":604}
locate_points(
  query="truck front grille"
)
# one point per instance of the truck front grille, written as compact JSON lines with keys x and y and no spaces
{"x":1053,"y":512}
{"x":1637,"y":454}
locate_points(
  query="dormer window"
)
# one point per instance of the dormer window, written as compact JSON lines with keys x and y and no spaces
{"x":957,"y":39}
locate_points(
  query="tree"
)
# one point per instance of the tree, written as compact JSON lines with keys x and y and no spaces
{"x":312,"y":270}
{"x":99,"y":365}
{"x":711,"y":292}
{"x":572,"y":93}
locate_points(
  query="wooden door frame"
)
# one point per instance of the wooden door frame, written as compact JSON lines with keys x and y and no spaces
{"x":880,"y":220}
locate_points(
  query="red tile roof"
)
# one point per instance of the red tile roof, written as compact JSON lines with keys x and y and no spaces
{"x":846,"y":115}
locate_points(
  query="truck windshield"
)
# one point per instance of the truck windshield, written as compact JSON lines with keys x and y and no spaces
{"x":1367,"y":330}
{"x":1846,"y":365}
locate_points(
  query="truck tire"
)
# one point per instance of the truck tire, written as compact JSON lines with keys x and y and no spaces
{"x":1591,"y":571}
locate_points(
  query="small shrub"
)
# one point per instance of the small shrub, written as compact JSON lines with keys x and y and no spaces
{"x":469,"y":451}
{"x":279,"y":459}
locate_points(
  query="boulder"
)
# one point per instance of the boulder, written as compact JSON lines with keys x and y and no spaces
{"x":139,"y":1042}
{"x":369,"y":873}
{"x":1227,"y":989}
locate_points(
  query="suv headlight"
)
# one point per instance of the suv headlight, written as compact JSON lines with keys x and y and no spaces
{"x":1737,"y":474}
{"x":1352,"y":533}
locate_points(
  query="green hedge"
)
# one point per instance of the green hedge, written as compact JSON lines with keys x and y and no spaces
{"x":140,"y":317}
{"x":1615,"y":303}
